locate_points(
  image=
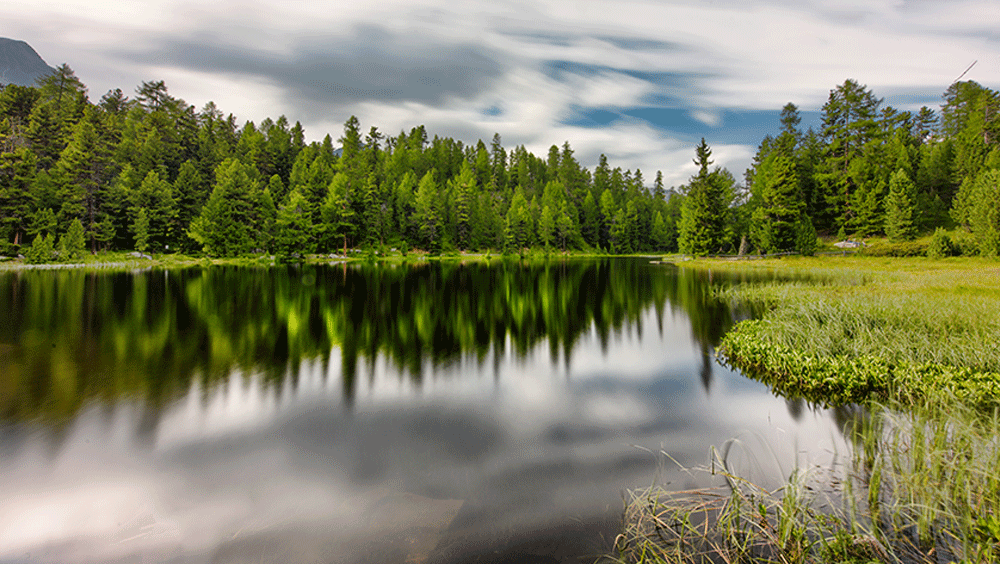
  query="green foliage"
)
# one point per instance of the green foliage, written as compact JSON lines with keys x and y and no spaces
{"x":140,"y":230}
{"x":705,"y":209}
{"x":778,"y":190}
{"x":40,"y":251}
{"x":59,"y":152}
{"x":224,"y":226}
{"x":887,"y":249}
{"x":72,"y":245}
{"x":940,"y":245}
{"x":806,"y":240}
{"x":984,"y":212}
{"x":899,"y":221}
{"x":293,"y":226}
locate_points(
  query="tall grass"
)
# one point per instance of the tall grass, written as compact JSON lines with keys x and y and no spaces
{"x":923,"y":483}
{"x":921,"y":488}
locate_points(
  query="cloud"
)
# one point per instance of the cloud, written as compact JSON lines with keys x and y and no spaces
{"x":370,"y":64}
{"x":532,"y":71}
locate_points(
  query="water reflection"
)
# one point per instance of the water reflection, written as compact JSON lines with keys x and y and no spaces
{"x":273,"y":414}
{"x":68,"y":337}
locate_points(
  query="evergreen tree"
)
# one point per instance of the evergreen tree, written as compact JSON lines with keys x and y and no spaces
{"x":40,"y":251}
{"x":72,"y":244}
{"x":224,"y":228}
{"x":428,"y":213}
{"x":806,"y":240}
{"x":546,"y":226}
{"x":940,"y":245}
{"x":774,"y":221}
{"x":104,"y":232}
{"x":140,"y":230}
{"x":702,"y":227}
{"x":337,"y":213}
{"x":661,"y":237}
{"x":899,"y":221}
{"x":293,"y":226}
{"x":984,"y":216}
{"x":518,"y":225}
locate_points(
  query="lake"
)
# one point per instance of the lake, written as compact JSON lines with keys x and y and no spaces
{"x":423,"y":412}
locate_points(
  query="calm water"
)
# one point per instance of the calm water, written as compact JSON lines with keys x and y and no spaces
{"x":422,"y":413}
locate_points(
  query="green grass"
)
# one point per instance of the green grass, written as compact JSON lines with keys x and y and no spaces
{"x":895,"y":328}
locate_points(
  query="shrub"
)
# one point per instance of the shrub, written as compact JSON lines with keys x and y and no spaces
{"x":965,"y":244}
{"x":40,"y":250}
{"x":904,"y":249}
{"x":940,"y":245}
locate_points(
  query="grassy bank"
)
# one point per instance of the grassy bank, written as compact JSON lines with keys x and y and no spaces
{"x":122,"y":260}
{"x":900,"y":330}
{"x":913,"y":340}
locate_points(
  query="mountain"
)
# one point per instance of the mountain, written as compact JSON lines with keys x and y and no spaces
{"x":19,"y":63}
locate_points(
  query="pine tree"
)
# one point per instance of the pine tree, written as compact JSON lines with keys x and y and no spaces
{"x":337,"y":214}
{"x":40,"y":251}
{"x":224,"y":227}
{"x":660,"y":233}
{"x":293,"y":226}
{"x":806,"y":240}
{"x":140,"y":230}
{"x":899,"y":221}
{"x":773,"y":225}
{"x":428,"y":213}
{"x":104,"y":232}
{"x":705,"y":209}
{"x":984,"y":216}
{"x":546,"y":226}
{"x":73,"y":244}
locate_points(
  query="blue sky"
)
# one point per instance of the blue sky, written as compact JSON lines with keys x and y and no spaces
{"x":641,"y":81}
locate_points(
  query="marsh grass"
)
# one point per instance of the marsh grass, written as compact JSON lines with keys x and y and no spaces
{"x":895,"y":328}
{"x":915,"y":340}
{"x":919,"y":488}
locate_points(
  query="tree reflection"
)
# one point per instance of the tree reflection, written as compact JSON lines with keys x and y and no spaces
{"x":69,"y":337}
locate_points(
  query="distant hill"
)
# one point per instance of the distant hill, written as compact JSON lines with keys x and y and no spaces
{"x":19,"y":63}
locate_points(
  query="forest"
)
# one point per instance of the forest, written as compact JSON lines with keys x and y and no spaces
{"x":153,"y":174}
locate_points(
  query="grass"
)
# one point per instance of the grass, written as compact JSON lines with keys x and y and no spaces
{"x":921,"y":488}
{"x":894,"y":329}
{"x":917,"y":342}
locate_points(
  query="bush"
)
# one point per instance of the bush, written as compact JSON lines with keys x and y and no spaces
{"x":964,"y":244}
{"x":40,"y":250}
{"x":904,"y":249}
{"x":72,"y":245}
{"x":940,"y":245}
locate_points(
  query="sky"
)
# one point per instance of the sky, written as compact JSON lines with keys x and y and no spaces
{"x":640,"y":81}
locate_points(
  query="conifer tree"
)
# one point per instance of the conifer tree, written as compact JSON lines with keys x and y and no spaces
{"x":293,"y":226}
{"x":705,"y":209}
{"x":140,"y":230}
{"x":428,"y":213}
{"x":899,"y":221}
{"x":72,"y":244}
{"x":40,"y":251}
{"x":337,"y":213}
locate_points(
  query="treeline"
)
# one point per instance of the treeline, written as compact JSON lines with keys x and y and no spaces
{"x":152,"y":173}
{"x":873,"y":170}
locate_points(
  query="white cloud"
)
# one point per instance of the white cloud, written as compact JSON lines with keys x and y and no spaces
{"x":705,"y":58}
